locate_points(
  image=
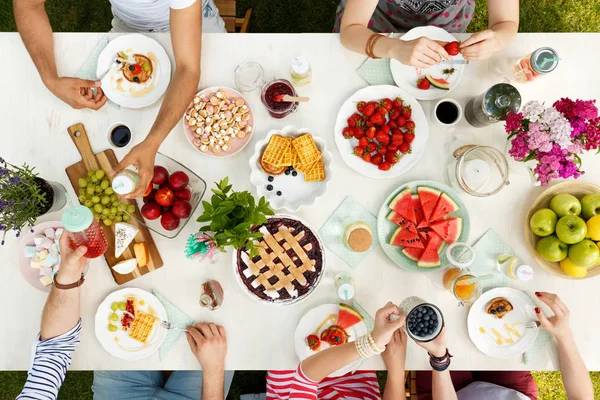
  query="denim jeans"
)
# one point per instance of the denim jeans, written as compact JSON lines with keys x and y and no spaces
{"x":151,"y":385}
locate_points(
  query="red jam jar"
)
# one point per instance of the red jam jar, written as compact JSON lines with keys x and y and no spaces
{"x":84,"y":230}
{"x":276,"y":88}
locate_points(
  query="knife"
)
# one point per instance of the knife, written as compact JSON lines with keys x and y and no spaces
{"x":455,"y":62}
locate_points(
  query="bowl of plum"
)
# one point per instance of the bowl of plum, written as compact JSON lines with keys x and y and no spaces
{"x":171,"y":198}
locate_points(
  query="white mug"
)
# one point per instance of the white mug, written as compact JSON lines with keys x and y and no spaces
{"x":435,"y":118}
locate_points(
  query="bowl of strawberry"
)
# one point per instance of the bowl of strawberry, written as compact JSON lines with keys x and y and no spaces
{"x":171,"y":197}
{"x":381,"y":131}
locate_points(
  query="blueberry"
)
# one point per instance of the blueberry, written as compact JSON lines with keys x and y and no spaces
{"x":294,"y":173}
{"x":500,"y":309}
{"x":426,"y":317}
{"x":287,"y":171}
{"x":430,"y":332}
{"x":493,"y":311}
{"x":271,"y":179}
{"x":430,"y":312}
{"x":136,"y":79}
{"x":279,"y":193}
{"x":269,"y":187}
{"x":421,"y":325}
{"x":118,"y":61}
{"x":131,"y":67}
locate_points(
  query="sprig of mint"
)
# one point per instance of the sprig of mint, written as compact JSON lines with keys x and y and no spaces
{"x":231,"y":215}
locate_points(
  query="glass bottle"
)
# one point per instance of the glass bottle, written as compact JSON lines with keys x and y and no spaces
{"x":344,"y":286}
{"x":514,"y":268}
{"x":493,"y":105}
{"x":212,"y":295}
{"x":84,"y":230}
{"x":534,"y":65}
{"x":300,"y":70}
{"x":126,"y":181}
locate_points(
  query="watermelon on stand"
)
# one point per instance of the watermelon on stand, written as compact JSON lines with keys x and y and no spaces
{"x":444,"y":206}
{"x":448,"y":229}
{"x":403,"y":205}
{"x":431,"y":255}
{"x":428,"y":198}
{"x":406,"y":238}
{"x":348,"y":317}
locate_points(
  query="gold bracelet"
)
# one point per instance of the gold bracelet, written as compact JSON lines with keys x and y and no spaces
{"x":371,"y":45}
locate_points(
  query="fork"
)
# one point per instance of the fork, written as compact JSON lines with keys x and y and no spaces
{"x":532,"y":324}
{"x":169,"y":325}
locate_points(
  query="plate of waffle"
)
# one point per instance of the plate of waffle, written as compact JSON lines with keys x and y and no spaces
{"x":291,"y":168}
{"x":127,"y":324}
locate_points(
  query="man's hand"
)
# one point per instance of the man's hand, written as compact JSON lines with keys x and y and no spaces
{"x":142,"y":157}
{"x":72,"y":262}
{"x":77,"y":92}
{"x":421,"y":52}
{"x":480,"y":45}
{"x":394,"y":355}
{"x":209,"y":344}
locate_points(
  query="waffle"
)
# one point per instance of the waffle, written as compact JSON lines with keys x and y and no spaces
{"x":276,"y":150}
{"x":142,"y":327}
{"x":498,"y":307}
{"x":271,"y":169}
{"x":316,"y":172}
{"x":306,"y":149}
{"x":289,"y":156}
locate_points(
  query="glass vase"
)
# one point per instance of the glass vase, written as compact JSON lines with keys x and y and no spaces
{"x":521,"y":167}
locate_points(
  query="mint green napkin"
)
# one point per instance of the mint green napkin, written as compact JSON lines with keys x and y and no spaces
{"x":376,"y":71}
{"x":331,"y":232}
{"x":368,"y":320}
{"x":544,"y":337}
{"x":177,"y":317}
{"x":487,"y":249}
{"x":88,"y":69}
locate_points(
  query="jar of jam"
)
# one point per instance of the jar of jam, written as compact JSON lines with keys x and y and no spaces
{"x":278,"y":109}
{"x":212,"y":295}
{"x":84,"y":230}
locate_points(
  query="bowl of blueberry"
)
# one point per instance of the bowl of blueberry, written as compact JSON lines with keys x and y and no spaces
{"x":424,"y":322}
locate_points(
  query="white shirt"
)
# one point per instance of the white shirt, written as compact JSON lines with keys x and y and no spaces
{"x":488,"y":391}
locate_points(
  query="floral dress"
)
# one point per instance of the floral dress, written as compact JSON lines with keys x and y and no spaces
{"x":403,"y":15}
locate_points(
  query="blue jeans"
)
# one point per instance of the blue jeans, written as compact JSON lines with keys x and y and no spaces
{"x":151,"y":385}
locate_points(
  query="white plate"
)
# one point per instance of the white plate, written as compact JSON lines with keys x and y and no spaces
{"x":346,"y":146}
{"x":32,"y":275}
{"x":524,"y":311}
{"x":295,"y":191}
{"x":406,"y":76}
{"x":126,"y":348}
{"x":139,"y":44}
{"x":307,"y":325}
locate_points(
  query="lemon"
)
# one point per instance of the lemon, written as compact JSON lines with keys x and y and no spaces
{"x":593,"y":225}
{"x":573,"y":270}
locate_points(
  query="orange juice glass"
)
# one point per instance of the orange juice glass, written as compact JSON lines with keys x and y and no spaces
{"x":466,"y":293}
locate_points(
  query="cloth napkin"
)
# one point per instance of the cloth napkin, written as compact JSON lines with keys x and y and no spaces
{"x":544,"y":337}
{"x":331,"y":232}
{"x":376,"y":71}
{"x":368,"y":320}
{"x":88,"y":69}
{"x":177,"y":317}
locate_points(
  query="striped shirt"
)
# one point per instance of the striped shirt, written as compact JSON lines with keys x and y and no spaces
{"x":291,"y":385}
{"x":51,"y":359}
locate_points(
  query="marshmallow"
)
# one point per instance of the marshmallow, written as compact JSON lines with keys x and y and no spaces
{"x":30,"y":251}
{"x":50,"y":233}
{"x":45,"y":271}
{"x":46,"y":280}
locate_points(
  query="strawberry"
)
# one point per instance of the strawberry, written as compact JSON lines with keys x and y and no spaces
{"x":363,"y":142}
{"x":404,"y":147}
{"x":387,"y":104}
{"x":377,"y":119}
{"x":348,"y":132}
{"x":394,"y":113}
{"x":386,"y":129}
{"x":381,"y":110}
{"x":409,"y":137}
{"x":392,"y":147}
{"x":401,"y":121}
{"x":392,"y":124}
{"x":410,"y":126}
{"x":385,"y":166}
{"x":377,"y":159}
{"x":354,"y":120}
{"x":374,"y":104}
{"x":423,"y":84}
{"x":383,"y":138}
{"x":359,"y":132}
{"x":382,"y":150}
{"x":359,"y":151}
{"x":397,"y":138}
{"x":360,"y":106}
{"x":452,"y":48}
{"x":392,"y":157}
{"x":370,"y":133}
{"x":368,"y":124}
{"x":369,"y":110}
{"x":366,"y":157}
{"x":407,"y":112}
{"x":371,"y":147}
{"x":397,"y":102}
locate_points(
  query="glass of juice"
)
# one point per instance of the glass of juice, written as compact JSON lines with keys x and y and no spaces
{"x":466,"y":293}
{"x":278,"y":109}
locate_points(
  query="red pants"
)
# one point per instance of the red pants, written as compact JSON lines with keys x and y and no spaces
{"x":521,"y":381}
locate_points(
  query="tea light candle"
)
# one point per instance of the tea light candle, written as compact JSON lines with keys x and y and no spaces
{"x":476,"y":171}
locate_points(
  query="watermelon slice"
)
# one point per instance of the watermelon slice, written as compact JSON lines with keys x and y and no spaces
{"x":401,"y":221}
{"x":431,"y":257}
{"x":403,"y":205}
{"x":419,"y":215}
{"x":406,"y":238}
{"x":347,"y":317}
{"x":444,"y":206}
{"x":428,"y":198}
{"x":448,"y":229}
{"x":413,"y":253}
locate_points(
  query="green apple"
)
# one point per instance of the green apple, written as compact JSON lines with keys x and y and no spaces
{"x":571,"y":229}
{"x":590,"y":205}
{"x":584,"y":253}
{"x":543,"y":221}
{"x":552,"y":249}
{"x":565,"y":204}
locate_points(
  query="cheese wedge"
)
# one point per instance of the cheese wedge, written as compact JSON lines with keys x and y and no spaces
{"x":141,"y":253}
{"x":125,"y":267}
{"x":124,"y":235}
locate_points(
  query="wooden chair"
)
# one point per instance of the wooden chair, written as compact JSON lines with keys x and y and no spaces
{"x":410,"y":379}
{"x":227,"y":9}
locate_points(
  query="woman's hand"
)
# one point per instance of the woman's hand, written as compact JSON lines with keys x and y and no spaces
{"x":480,"y":45}
{"x":394,"y":355}
{"x":385,"y":326}
{"x":422,"y":52}
{"x":558,"y":325}
{"x":437,"y":347}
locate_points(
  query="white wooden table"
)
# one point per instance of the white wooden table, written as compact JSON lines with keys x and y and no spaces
{"x":34,"y":126}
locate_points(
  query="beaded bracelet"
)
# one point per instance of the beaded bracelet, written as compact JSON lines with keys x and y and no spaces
{"x":366,"y":346}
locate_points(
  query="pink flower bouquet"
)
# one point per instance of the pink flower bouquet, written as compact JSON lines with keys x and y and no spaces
{"x":554,"y":136}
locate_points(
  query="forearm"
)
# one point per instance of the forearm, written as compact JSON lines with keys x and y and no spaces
{"x":505,"y":32}
{"x":61,"y":312}
{"x":355,"y":37}
{"x":394,"y":386}
{"x":212,"y":385}
{"x":320,"y":365}
{"x":575,"y":375}
{"x":35,"y":30}
{"x":442,"y":387}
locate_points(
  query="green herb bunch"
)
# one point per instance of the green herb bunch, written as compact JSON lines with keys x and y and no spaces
{"x":231,"y":215}
{"x":21,"y":198}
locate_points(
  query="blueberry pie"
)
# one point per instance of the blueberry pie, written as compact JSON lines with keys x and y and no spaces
{"x":498,"y":307}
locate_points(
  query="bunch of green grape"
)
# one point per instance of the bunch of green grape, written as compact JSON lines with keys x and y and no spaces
{"x":96,"y":194}
{"x":113,"y":316}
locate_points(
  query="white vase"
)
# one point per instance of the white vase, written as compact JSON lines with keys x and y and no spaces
{"x":521,"y":167}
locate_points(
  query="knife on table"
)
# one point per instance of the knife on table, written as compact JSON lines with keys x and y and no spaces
{"x":455,"y":62}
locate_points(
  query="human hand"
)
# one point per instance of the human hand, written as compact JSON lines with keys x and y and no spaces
{"x":437,"y":347}
{"x":384,"y":326}
{"x":142,"y":157}
{"x":78,"y":93}
{"x":480,"y":45}
{"x":558,"y":325}
{"x":422,"y":52}
{"x":394,"y":355}
{"x":209,"y":344}
{"x":72,"y":261}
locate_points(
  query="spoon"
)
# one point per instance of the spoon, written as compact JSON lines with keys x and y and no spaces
{"x":288,"y":98}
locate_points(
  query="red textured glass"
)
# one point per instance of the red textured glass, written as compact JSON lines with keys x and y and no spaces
{"x":92,"y":237}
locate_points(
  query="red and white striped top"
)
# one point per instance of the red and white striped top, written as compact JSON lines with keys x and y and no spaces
{"x":291,"y":385}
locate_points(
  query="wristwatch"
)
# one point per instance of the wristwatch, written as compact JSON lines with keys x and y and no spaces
{"x":69,"y":285}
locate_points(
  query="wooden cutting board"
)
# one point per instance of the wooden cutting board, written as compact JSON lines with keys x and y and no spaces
{"x":106,"y":160}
